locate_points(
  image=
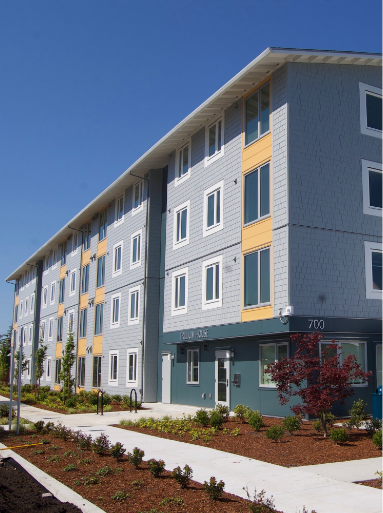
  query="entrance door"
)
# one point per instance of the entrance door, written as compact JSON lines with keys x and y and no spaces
{"x":222,"y":378}
{"x":166,"y":377}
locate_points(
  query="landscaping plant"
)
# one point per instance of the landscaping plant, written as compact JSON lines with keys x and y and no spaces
{"x":259,"y":503}
{"x":339,"y":436}
{"x":101,"y":445}
{"x":275,"y":433}
{"x":377,"y":439}
{"x":292,"y":424}
{"x":135,"y":457}
{"x":5,"y":349}
{"x":216,"y":420}
{"x":315,"y":376}
{"x":214,"y":489}
{"x":242,"y":412}
{"x":202,"y":417}
{"x":222,"y":410}
{"x":255,"y":420}
{"x":182,"y":476}
{"x":40,"y":357}
{"x":357,"y":414}
{"x":156,"y":467}
{"x":117,"y":451}
{"x":67,"y":362}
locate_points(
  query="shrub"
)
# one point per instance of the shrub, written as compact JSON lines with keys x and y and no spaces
{"x":120,"y":496}
{"x":356,"y":414}
{"x":275,"y":433}
{"x":4,"y":410}
{"x":135,"y":458}
{"x":222,"y":410}
{"x":259,"y":504}
{"x":101,"y":445}
{"x":377,"y":439}
{"x":156,"y":467}
{"x":92,"y":399}
{"x":292,"y":424}
{"x":70,"y":403}
{"x":116,"y":398}
{"x":83,"y":441}
{"x":235,"y":432}
{"x":339,"y":436}
{"x":216,"y":420}
{"x":255,"y":420}
{"x":182,"y":476}
{"x":70,"y":467}
{"x":39,"y":425}
{"x":213,"y":489}
{"x":107,"y":399}
{"x":373,"y":425}
{"x":117,"y":451}
{"x":202,"y":417}
{"x":242,"y":412}
{"x":104,"y":471}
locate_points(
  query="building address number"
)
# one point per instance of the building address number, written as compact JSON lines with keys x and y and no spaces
{"x":316,"y":324}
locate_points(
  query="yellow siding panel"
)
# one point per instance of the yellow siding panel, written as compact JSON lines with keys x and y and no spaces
{"x":85,"y":259}
{"x":100,"y":295}
{"x":15,"y":326}
{"x":256,"y":314}
{"x":57,"y":388}
{"x":97,"y":345}
{"x":59,"y":348}
{"x":16,"y":300}
{"x":60,"y":310}
{"x":101,"y":248}
{"x":257,"y":234}
{"x":62,"y":272}
{"x":84,"y":301}
{"x":82,"y":347}
{"x":257,"y":153}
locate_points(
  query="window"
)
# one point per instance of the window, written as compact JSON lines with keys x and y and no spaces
{"x":74,"y":243}
{"x":119,"y":211}
{"x":42,"y":331}
{"x":134,"y":305}
{"x":16,"y":312}
{"x":63,"y":253}
{"x":357,"y":349}
{"x":212,"y":283}
{"x":45,"y":296}
{"x":60,"y":329}
{"x":103,"y":223}
{"x":115,"y":311}
{"x":270,"y":353}
{"x":85,"y":279}
{"x":83,"y":322}
{"x":257,"y":114}
{"x":370,"y":110}
{"x":257,"y":194}
{"x":81,"y":372}
{"x":62,"y":291}
{"x":214,"y":141}
{"x":137,"y":198}
{"x":99,"y":317}
{"x":100,"y":272}
{"x":32,"y":303}
{"x":87,"y":236}
{"x":135,"y":244}
{"x":21,"y":308}
{"x":372,"y":188}
{"x":192,"y":370}
{"x":113,"y":368}
{"x":379,"y":365}
{"x":24,"y":335}
{"x":257,"y":278}
{"x":180,"y":292}
{"x":53,"y":292}
{"x":117,"y":259}
{"x":46,"y":264}
{"x":183,"y":164}
{"x":71,"y":321}
{"x":26,"y":306}
{"x":213,"y":209}
{"x":57,"y":371}
{"x":96,"y":383}
{"x":30,"y":337}
{"x":373,"y":262}
{"x":50,"y":329}
{"x":181,"y":225}
{"x":28,"y":369}
{"x":49,"y":369}
{"x":72,"y":283}
{"x":131,"y":374}
{"x":54,"y":258}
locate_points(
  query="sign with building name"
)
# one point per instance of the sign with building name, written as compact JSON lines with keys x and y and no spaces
{"x":194,"y":335}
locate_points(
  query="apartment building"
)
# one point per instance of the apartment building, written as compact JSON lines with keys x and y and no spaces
{"x":256,"y":217}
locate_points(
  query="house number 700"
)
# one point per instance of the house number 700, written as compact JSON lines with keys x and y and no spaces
{"x":317,"y":324}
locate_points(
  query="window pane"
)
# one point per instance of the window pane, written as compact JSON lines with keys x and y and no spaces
{"x":265,"y":190}
{"x":217,"y":281}
{"x":376,"y":270}
{"x":195,"y":366}
{"x":379,"y":366}
{"x":251,"y":119}
{"x":281,"y":352}
{"x":134,"y":257}
{"x":218,"y":207}
{"x":251,"y":279}
{"x":118,"y":258}
{"x":265,"y":108}
{"x":182,"y":291}
{"x":219,"y":135}
{"x":132,"y":305}
{"x":267,"y":356}
{"x":251,"y":197}
{"x":138,"y":247}
{"x":183,"y":223}
{"x":375,"y":179}
{"x":358,"y":350}
{"x":265,"y":276}
{"x":212,"y":140}
{"x":189,"y":378}
{"x":185,"y":160}
{"x":209,"y":283}
{"x":137,"y":196}
{"x":210,"y":210}
{"x":374,"y":111}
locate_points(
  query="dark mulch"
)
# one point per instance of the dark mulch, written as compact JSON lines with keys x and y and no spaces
{"x":374,"y":483}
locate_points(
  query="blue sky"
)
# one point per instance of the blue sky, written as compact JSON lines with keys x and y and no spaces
{"x":87,"y":86}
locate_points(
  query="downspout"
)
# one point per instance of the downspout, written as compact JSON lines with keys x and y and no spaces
{"x":13,"y":343}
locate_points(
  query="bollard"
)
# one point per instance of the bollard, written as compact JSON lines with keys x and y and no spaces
{"x":130,"y":400}
{"x":102,"y":401}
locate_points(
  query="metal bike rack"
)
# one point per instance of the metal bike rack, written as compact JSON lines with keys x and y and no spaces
{"x":102,"y":401}
{"x":130,"y":400}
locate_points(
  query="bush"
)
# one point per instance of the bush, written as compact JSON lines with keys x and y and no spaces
{"x":117,"y":451}
{"x":242,"y":412}
{"x":216,"y":420}
{"x":135,"y":458}
{"x":292,"y":424}
{"x":70,"y":403}
{"x":275,"y":433}
{"x":356,"y":414}
{"x":259,"y":504}
{"x":39,"y":425}
{"x":317,"y":424}
{"x":373,"y":425}
{"x":156,"y":467}
{"x":116,"y":398}
{"x":182,"y":476}
{"x":4,"y":410}
{"x":339,"y":436}
{"x":107,"y":399}
{"x":92,"y":399}
{"x":101,"y":445}
{"x":377,"y":439}
{"x":83,"y":441}
{"x":222,"y":410}
{"x":202,"y":417}
{"x":255,"y":420}
{"x":213,"y":489}
{"x":27,"y":389}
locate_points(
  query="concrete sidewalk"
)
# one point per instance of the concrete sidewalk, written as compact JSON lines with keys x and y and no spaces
{"x":326,"y":488}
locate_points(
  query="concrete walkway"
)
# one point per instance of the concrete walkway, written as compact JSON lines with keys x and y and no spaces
{"x":326,"y":488}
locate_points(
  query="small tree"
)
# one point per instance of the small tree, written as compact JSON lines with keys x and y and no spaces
{"x":66,"y":367}
{"x":315,"y":376}
{"x":5,"y":349}
{"x":24,"y":365}
{"x":40,"y":356}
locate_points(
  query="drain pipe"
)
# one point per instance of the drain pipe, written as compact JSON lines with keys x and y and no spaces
{"x":13,"y":343}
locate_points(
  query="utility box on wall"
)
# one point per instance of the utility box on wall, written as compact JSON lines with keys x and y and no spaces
{"x":236,"y":380}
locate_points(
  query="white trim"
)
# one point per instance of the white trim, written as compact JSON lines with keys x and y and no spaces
{"x":72,"y":292}
{"x":259,"y":304}
{"x":131,"y":383}
{"x":192,"y":350}
{"x":113,"y":382}
{"x":30,"y":334}
{"x":46,"y":264}
{"x":21,"y":309}
{"x":70,"y":313}
{"x":48,"y":376}
{"x":368,"y":165}
{"x":45,"y":300}
{"x":219,"y":226}
{"x":119,"y":271}
{"x":115,"y":324}
{"x":214,"y":303}
{"x":117,"y":222}
{"x":135,"y":210}
{"x":369,"y":247}
{"x":53,"y":285}
{"x":134,"y":320}
{"x":32,"y":306}
{"x":43,"y":328}
{"x":177,"y":179}
{"x":275,"y":344}
{"x":218,"y":154}
{"x":185,"y":241}
{"x":74,"y":243}
{"x":177,"y":274}
{"x":26,"y":310}
{"x":363,"y":90}
{"x":133,"y":265}
{"x":50,"y":323}
{"x":54,"y":258}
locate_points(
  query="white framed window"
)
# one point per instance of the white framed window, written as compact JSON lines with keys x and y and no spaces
{"x":183,"y":164}
{"x":30,"y":334}
{"x":136,"y":249}
{"x":45,"y":296}
{"x":180,"y":286}
{"x":370,"y":110}
{"x":192,"y":367}
{"x":256,"y":194}
{"x":117,"y":259}
{"x":113,"y":368}
{"x":346,"y":348}
{"x":50,"y":329}
{"x":373,"y":264}
{"x":379,"y":365}
{"x":57,"y":371}
{"x":212,"y":283}
{"x":71,"y":321}
{"x":115,"y":302}
{"x":25,"y":335}
{"x":74,"y":243}
{"x":32,"y":307}
{"x":181,"y":225}
{"x":131,"y":368}
{"x":257,"y":114}
{"x":214,"y":141}
{"x":270,"y":353}
{"x":83,"y":322}
{"x":46,"y":264}
{"x":54,"y":258}
{"x":256,"y":278}
{"x":137,"y":197}
{"x":26,"y":311}
{"x":119,"y":214}
{"x":28,"y":369}
{"x":21,"y":309}
{"x":372,"y":187}
{"x":134,"y":306}
{"x":81,"y":372}
{"x":48,"y":374}
{"x":53,"y":292}
{"x":42,"y":330}
{"x":213,"y":209}
{"x":72,"y":283}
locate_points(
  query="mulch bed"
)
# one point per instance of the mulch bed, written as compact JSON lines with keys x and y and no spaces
{"x":115,"y":407}
{"x":145,"y":492}
{"x":374,"y":483}
{"x":305,"y":447}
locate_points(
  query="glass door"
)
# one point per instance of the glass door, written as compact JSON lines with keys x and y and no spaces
{"x":222,"y":378}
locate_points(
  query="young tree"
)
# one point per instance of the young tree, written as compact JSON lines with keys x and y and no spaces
{"x":40,"y":357}
{"x":315,"y":376}
{"x":66,"y":367}
{"x":5,"y":349}
{"x":24,"y":365}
